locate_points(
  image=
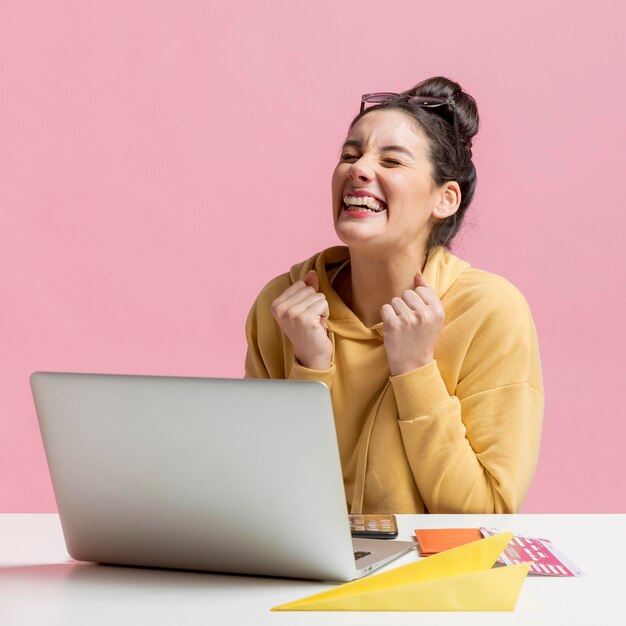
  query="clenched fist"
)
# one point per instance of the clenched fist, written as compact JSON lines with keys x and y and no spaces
{"x":302,"y":311}
{"x":411,"y":326}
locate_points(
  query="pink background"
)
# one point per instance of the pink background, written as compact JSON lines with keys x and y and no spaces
{"x":161,"y":161}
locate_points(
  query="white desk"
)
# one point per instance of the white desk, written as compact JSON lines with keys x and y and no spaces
{"x":40,"y":584}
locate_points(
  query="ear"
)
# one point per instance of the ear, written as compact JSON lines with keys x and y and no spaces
{"x":448,"y":202}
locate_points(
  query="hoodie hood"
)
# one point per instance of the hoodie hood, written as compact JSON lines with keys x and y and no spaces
{"x":440,"y":272}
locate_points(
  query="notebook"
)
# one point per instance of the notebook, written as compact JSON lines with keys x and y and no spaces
{"x":434,"y":540}
{"x":224,"y":475}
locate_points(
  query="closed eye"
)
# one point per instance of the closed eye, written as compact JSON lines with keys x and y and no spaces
{"x":345,"y":157}
{"x":392,"y":161}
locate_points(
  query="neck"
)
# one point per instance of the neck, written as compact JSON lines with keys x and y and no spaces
{"x":377,"y":278}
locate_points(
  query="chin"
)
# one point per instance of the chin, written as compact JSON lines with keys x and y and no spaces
{"x":356,"y":239}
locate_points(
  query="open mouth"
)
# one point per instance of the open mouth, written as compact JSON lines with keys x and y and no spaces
{"x":362,"y":204}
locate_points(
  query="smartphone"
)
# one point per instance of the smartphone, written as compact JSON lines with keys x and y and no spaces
{"x":373,"y":526}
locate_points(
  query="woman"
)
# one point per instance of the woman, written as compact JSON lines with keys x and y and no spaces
{"x":433,"y":365}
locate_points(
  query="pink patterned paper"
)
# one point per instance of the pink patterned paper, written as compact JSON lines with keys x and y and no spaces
{"x":546,"y":559}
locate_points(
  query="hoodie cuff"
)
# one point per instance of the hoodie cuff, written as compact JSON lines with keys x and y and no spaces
{"x":419,"y":391}
{"x":299,"y":372}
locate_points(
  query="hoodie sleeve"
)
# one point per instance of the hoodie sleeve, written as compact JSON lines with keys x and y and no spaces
{"x":476,"y":451}
{"x":269,"y":352}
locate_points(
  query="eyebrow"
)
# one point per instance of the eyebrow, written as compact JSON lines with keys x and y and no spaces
{"x":355,"y":143}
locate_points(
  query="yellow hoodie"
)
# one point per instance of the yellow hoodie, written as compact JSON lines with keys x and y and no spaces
{"x":459,"y":435}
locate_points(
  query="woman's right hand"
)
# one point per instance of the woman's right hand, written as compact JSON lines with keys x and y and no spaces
{"x":302,"y":311}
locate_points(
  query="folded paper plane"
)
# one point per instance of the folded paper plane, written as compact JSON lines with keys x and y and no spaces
{"x":460,"y":579}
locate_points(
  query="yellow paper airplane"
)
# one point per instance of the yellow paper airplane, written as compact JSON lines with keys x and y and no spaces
{"x":460,"y":579}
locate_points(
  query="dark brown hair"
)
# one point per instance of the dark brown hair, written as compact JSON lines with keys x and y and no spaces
{"x":438,"y":126}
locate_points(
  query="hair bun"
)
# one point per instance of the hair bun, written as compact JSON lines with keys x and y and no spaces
{"x":467,"y":111}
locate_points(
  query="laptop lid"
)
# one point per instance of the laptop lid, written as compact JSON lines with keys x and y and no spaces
{"x":224,"y":475}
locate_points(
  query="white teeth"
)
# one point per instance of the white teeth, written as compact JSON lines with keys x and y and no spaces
{"x":367,"y":201}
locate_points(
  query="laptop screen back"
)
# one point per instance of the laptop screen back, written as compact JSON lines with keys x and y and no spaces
{"x":225,"y":475}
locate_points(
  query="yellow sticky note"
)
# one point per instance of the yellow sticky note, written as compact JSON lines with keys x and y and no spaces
{"x":455,"y":580}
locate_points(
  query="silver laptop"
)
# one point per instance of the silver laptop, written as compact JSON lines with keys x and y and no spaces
{"x":224,"y":475}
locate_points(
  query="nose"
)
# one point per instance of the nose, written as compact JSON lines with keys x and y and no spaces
{"x":360,"y":170}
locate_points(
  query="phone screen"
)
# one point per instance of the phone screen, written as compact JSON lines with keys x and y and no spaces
{"x":373,"y":526}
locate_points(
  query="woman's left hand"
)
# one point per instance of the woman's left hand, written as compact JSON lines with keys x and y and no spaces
{"x":412,"y":325}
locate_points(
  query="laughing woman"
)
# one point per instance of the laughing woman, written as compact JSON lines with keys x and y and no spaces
{"x":433,"y":365}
